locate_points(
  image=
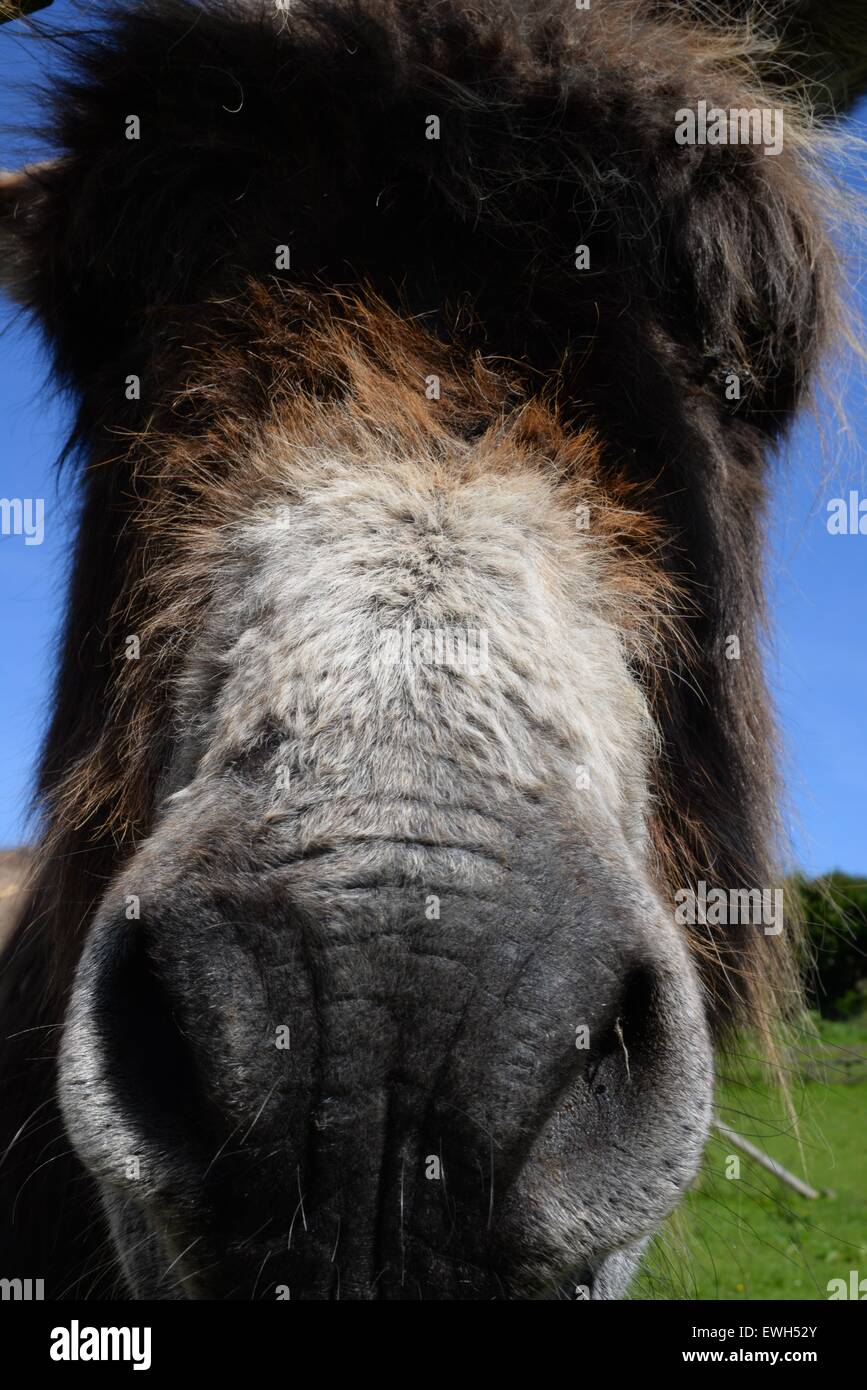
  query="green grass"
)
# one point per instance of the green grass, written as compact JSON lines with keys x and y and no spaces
{"x":753,"y":1237}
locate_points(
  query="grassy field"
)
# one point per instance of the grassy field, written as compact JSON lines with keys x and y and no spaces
{"x":752,"y":1237}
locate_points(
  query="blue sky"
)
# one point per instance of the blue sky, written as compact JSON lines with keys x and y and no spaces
{"x":817,"y":582}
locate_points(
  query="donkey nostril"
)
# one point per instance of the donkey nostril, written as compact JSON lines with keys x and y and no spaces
{"x":128,"y":1079}
{"x":626,"y":1042}
{"x":147,"y":1056}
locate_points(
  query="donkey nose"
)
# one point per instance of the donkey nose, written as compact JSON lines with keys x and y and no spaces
{"x":472,"y":1106}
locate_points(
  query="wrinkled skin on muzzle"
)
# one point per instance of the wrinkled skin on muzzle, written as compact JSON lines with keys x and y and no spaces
{"x":502,"y":1100}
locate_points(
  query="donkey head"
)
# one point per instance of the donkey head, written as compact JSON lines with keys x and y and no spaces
{"x":420,"y":507}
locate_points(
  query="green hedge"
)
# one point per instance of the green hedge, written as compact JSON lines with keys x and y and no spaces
{"x":835,"y":914}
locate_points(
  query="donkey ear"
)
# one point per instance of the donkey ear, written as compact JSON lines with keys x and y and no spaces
{"x":24,"y":209}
